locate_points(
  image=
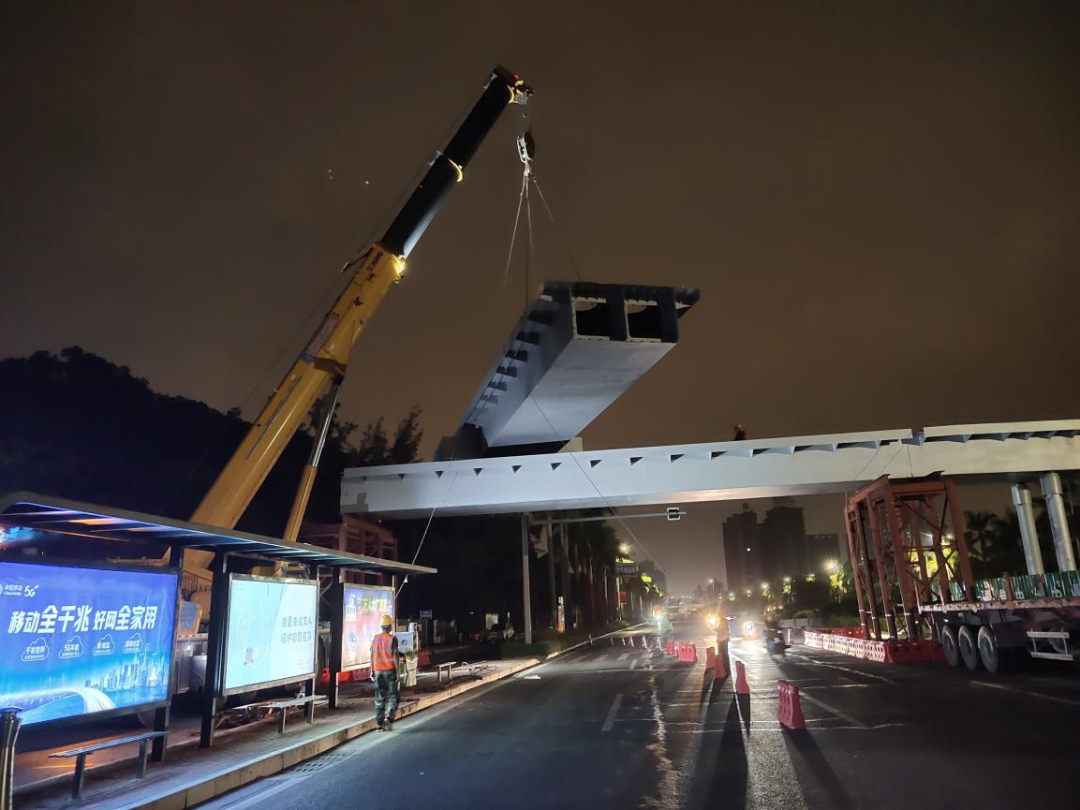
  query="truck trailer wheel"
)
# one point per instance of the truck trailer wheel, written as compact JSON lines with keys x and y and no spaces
{"x":989,"y":653}
{"x":969,"y":647}
{"x":950,"y":646}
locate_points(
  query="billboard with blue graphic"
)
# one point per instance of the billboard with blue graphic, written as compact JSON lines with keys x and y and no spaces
{"x":76,"y":641}
{"x":273,"y":627}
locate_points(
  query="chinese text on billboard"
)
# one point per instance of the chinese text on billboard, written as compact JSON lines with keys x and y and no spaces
{"x":79,"y":640}
{"x":273,"y":627}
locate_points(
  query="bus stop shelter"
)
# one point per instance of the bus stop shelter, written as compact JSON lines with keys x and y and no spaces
{"x":52,"y":531}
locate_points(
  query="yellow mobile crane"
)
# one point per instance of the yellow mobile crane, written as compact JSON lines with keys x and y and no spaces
{"x":322,"y":363}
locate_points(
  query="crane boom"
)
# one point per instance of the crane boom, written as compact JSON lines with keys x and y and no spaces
{"x":375,"y":268}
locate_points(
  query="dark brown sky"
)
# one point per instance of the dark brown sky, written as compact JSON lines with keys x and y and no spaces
{"x":878,"y":201}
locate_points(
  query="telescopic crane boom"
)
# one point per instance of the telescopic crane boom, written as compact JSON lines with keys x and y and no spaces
{"x":324,"y":359}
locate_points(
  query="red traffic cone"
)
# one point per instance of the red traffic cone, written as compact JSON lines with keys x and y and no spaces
{"x":721,"y":669}
{"x":789,"y":711}
{"x":741,"y":686}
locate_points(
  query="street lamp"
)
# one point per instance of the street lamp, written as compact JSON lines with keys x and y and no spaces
{"x":831,"y":566}
{"x":624,"y":548}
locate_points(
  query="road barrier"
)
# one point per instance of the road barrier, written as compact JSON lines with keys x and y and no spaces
{"x":612,"y":640}
{"x":670,"y":646}
{"x":789,"y":710}
{"x":882,"y":652}
{"x":632,"y":644}
{"x":644,"y":642}
{"x":659,"y":646}
{"x":688,"y":653}
{"x":741,"y":686}
{"x":710,"y":658}
{"x":720,"y":671}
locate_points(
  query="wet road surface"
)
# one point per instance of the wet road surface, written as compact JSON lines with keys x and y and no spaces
{"x":622,"y":727}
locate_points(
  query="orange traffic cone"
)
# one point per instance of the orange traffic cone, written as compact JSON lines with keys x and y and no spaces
{"x":741,"y":686}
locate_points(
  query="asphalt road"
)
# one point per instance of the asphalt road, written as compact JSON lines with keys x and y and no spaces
{"x":620,"y":727}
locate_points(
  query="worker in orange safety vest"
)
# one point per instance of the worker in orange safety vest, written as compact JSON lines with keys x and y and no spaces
{"x":384,"y":665}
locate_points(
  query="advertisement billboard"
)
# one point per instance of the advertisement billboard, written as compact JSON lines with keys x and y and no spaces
{"x":80,"y":641}
{"x":365,"y":605}
{"x":273,"y":626}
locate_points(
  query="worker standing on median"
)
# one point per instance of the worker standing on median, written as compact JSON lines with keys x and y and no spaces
{"x":384,"y":665}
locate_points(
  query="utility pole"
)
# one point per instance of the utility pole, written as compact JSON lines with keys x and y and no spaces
{"x":554,"y":620}
{"x":564,"y":539}
{"x":526,"y":596}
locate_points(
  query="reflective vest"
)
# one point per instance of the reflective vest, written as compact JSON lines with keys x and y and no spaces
{"x":382,"y":653}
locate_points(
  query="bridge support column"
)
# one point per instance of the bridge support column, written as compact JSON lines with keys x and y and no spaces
{"x":1021,"y":497}
{"x":1059,"y":522}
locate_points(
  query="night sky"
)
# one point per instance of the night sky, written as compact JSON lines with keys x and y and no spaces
{"x":879,"y":202}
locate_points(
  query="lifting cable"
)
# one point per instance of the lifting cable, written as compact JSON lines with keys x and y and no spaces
{"x":526,"y":152}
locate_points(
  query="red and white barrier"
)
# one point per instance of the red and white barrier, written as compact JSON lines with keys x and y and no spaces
{"x":887,"y":652}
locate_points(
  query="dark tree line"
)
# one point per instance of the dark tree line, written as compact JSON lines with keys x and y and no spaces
{"x":75,"y":425}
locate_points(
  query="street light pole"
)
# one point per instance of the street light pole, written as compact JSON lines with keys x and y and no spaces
{"x":526,"y":596}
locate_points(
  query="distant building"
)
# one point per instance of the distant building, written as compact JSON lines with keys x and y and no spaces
{"x":775,"y":548}
{"x":741,"y":549}
{"x":783,"y":541}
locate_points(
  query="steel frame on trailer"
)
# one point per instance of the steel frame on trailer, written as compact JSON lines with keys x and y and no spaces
{"x":885,"y":524}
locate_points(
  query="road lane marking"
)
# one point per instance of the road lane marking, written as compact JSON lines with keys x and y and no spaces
{"x":634,"y":663}
{"x":614,"y":710}
{"x":622,"y":657}
{"x":815,"y":662}
{"x":260,"y":796}
{"x":1053,"y":698}
{"x":833,"y":710}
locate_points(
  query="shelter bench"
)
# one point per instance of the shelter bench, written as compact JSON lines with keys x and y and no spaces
{"x":309,"y":702}
{"x":81,"y":754}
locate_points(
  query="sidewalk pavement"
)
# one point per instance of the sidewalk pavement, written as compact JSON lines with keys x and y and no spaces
{"x":191,"y":775}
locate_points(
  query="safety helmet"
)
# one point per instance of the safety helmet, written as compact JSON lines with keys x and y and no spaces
{"x":387,"y":621}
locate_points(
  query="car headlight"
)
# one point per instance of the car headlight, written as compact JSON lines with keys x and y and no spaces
{"x":748,"y":627}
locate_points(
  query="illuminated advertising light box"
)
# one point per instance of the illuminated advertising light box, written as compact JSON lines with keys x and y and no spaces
{"x":84,"y":641}
{"x":273,"y":626}
{"x":365,"y":605}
